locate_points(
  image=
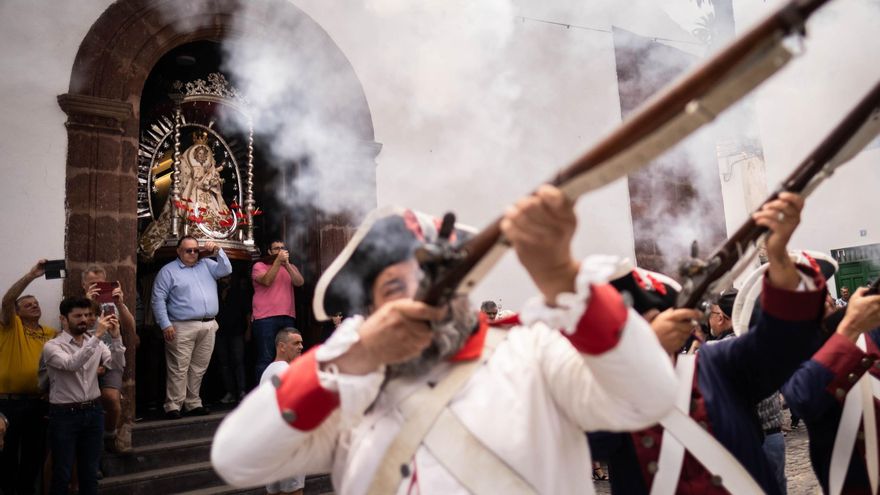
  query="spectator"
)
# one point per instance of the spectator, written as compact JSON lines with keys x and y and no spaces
{"x":843,"y":300}
{"x":110,"y":382}
{"x":720,"y":324}
{"x":490,"y":309}
{"x":185,"y":304}
{"x":288,"y":346}
{"x":76,"y":418}
{"x":21,"y":342}
{"x":273,"y":301}
{"x":232,"y":320}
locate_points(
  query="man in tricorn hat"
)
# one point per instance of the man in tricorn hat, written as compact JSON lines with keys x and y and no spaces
{"x":408,"y":398}
{"x":712,"y":442}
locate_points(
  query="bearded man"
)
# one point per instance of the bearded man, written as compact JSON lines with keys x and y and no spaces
{"x":416,"y":399}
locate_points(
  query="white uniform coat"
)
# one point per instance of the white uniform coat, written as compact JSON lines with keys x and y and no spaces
{"x":530,"y":403}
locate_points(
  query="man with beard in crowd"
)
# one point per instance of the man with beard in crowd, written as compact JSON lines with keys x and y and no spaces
{"x":411,"y":398}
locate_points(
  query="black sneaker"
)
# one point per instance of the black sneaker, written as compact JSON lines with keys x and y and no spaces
{"x":172,"y":414}
{"x":199,"y":411}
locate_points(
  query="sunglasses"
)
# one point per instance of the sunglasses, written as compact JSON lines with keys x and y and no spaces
{"x":191,"y":250}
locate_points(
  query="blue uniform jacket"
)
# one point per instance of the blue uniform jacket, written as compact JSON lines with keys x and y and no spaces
{"x":732,"y":376}
{"x":816,"y":393}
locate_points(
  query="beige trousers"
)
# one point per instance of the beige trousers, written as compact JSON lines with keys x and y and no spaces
{"x":187,"y":358}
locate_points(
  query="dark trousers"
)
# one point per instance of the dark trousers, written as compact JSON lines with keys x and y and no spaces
{"x":264,"y":331}
{"x":21,"y":459}
{"x":76,"y":434}
{"x":229,"y":350}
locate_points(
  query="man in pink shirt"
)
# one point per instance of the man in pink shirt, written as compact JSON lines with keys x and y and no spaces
{"x":273,"y":301}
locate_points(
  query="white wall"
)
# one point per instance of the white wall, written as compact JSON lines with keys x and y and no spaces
{"x":468,"y":125}
{"x":39,"y":40}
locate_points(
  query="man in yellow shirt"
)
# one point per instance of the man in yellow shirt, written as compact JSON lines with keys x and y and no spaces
{"x":21,"y":343}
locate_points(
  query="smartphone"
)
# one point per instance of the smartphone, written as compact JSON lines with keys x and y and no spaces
{"x":55,"y":269}
{"x":109,"y":308}
{"x":105,"y":294}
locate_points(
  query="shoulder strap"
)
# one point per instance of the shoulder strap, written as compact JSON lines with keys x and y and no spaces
{"x":687,"y":434}
{"x":858,"y":408}
{"x":421,"y":411}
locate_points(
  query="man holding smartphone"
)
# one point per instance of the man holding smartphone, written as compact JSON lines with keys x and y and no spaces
{"x":21,"y":341}
{"x":185,"y":303}
{"x":109,"y":298}
{"x":273,"y":304}
{"x":76,"y":418}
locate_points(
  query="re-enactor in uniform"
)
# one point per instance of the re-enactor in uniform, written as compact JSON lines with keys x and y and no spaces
{"x":410,"y":398}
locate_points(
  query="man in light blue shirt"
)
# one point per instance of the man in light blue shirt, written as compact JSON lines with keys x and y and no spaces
{"x":185,"y":303}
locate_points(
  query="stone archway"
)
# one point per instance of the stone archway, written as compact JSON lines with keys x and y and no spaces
{"x":103,"y":126}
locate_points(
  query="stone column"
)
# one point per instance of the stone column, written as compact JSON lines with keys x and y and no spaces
{"x":101,"y":208}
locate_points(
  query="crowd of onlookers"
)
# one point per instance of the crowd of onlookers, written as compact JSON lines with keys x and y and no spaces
{"x":61,"y":389}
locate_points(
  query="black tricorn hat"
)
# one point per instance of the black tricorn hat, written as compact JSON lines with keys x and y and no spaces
{"x":387,"y":236}
{"x":646,"y":290}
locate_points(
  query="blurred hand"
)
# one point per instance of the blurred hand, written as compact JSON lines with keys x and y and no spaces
{"x":674,"y":326}
{"x":212,"y":247}
{"x":104,"y":324}
{"x":93,"y":292}
{"x":168,"y":333}
{"x":781,"y":217}
{"x":397,"y":332}
{"x":541,"y":227}
{"x":283,"y":257}
{"x":118,"y":295}
{"x":862,"y":314}
{"x":39,"y":269}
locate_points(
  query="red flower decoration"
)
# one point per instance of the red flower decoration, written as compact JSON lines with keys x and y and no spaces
{"x":202,"y":209}
{"x":239,"y":215}
{"x":257,"y":212}
{"x":234,"y":205}
{"x":226,"y":223}
{"x":179,"y":205}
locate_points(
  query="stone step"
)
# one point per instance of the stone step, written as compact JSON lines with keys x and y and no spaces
{"x":163,"y":430}
{"x":175,"y":479}
{"x":196,"y":478}
{"x":315,"y":485}
{"x":157,"y":456}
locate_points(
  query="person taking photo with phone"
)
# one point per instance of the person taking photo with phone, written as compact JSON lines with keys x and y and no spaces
{"x":76,"y":417}
{"x":21,"y":341}
{"x":109,"y":298}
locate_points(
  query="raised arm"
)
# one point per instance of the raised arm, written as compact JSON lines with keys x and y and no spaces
{"x":590,"y":384}
{"x":7,"y":311}
{"x":787,"y":331}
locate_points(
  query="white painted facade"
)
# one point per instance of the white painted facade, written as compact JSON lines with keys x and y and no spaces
{"x":449,"y":140}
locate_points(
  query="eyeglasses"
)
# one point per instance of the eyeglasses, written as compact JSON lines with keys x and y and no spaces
{"x":718,"y":314}
{"x":277,"y":248}
{"x":191,"y":250}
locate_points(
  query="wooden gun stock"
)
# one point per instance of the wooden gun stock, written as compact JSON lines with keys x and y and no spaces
{"x":660,"y":123}
{"x":844,"y":141}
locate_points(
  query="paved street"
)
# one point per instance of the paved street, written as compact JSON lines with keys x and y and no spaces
{"x":798,"y":470}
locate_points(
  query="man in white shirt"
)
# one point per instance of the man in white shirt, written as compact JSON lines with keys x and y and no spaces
{"x":288,"y":346}
{"x":76,"y":418}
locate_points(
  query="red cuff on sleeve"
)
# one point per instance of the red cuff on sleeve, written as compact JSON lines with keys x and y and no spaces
{"x":600,"y":327}
{"x":790,"y":305}
{"x":846,"y":361}
{"x":304,"y":403}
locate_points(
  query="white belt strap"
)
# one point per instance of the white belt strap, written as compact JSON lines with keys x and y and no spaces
{"x":857,"y":408}
{"x":421,"y":410}
{"x":672,"y":451}
{"x":683,"y":433}
{"x":476,"y":467}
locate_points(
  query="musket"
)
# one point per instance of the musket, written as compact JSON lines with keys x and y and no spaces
{"x":705,"y":279}
{"x":691,"y":102}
